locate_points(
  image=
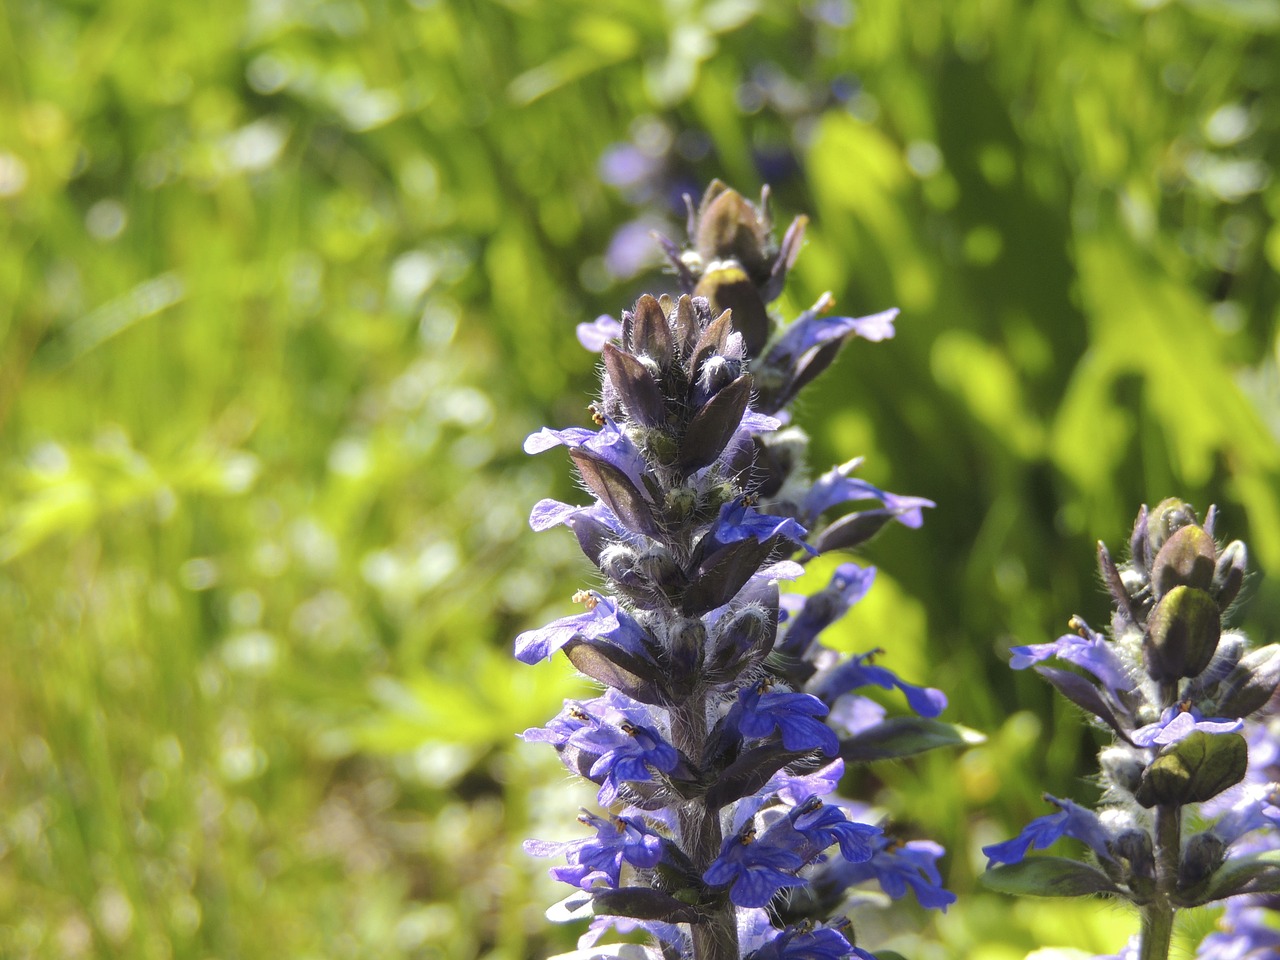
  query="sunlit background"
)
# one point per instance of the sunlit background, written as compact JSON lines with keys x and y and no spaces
{"x":284,"y":285}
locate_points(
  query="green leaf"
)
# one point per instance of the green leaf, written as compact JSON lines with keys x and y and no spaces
{"x":905,"y":737}
{"x":1256,"y":874}
{"x":1048,"y":877}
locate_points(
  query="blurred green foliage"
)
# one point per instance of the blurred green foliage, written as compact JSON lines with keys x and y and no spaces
{"x":283,"y":286}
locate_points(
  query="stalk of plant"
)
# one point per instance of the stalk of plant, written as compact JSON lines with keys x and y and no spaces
{"x":724,"y":725}
{"x":1174,"y":688}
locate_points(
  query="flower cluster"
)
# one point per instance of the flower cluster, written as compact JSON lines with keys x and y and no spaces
{"x":725,"y":724}
{"x":1178,"y":820}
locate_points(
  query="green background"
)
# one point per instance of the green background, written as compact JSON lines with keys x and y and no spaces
{"x":283,"y":287}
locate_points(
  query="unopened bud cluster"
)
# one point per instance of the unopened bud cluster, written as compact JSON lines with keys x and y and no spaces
{"x":1175,"y":688}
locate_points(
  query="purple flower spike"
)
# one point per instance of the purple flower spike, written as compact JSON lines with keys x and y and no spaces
{"x":794,"y":715}
{"x":699,"y":507}
{"x":1070,"y":821}
{"x":860,"y":672}
{"x":756,"y":870}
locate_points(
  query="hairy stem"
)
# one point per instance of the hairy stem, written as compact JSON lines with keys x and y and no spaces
{"x":716,"y":938}
{"x":1157,"y":916}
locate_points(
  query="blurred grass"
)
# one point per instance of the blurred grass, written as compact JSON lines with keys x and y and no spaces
{"x":283,"y":286}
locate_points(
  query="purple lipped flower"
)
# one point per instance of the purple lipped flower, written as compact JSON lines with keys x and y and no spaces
{"x":548,"y":513}
{"x":860,"y":671}
{"x":751,"y":425}
{"x":847,"y":586}
{"x":899,"y":867}
{"x":1177,"y":723}
{"x":779,"y":570}
{"x":1092,"y":651}
{"x":609,"y":443}
{"x":1071,"y":820}
{"x":805,"y":942}
{"x":666,"y":933}
{"x":594,"y":335}
{"x":688,"y":613}
{"x":602,"y":619}
{"x":573,"y":716}
{"x":853,"y":714}
{"x":597,"y":860}
{"x":823,"y":824}
{"x":793,"y":788}
{"x":737,"y":521}
{"x":627,"y":750}
{"x":793,"y":715}
{"x":753,"y":871}
{"x":836,"y":486}
{"x":810,"y":330}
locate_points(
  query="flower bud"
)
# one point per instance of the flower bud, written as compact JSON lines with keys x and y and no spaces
{"x":1202,"y":855}
{"x":661,"y":446}
{"x":658,"y":566}
{"x":1194,"y":770}
{"x":1122,"y":767}
{"x":1182,"y":634}
{"x":1228,"y":576}
{"x":1186,"y":559}
{"x":718,"y":372}
{"x":1169,"y":516}
{"x":680,"y":503}
{"x":730,"y":288}
{"x":1134,"y":849}
{"x":618,"y":561}
{"x":730,"y":228}
{"x":737,"y":635}
{"x":686,"y":640}
{"x":1251,"y":684}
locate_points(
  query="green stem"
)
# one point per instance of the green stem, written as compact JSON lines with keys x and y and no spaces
{"x":1157,"y":931}
{"x":1157,"y":916}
